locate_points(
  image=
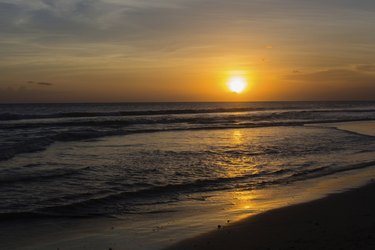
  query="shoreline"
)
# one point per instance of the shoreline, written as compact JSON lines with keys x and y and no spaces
{"x":357,"y":127}
{"x":105,"y":233}
{"x":339,"y":221}
{"x":342,"y":221}
{"x":163,"y":230}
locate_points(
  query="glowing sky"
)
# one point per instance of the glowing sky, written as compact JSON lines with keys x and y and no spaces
{"x":185,"y":50}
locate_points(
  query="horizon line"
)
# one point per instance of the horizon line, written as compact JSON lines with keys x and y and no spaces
{"x":171,"y":102}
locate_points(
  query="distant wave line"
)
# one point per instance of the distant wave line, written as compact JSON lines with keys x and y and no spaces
{"x":42,"y":143}
{"x":14,"y":116}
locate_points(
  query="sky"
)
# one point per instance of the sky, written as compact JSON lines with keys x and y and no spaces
{"x":186,"y":50}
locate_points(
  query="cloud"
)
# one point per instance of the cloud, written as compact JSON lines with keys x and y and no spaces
{"x":24,"y":94}
{"x":334,"y":76}
{"x":111,"y":20}
{"x":41,"y":83}
{"x":144,"y":28}
{"x":334,"y":84}
{"x":366,"y":67}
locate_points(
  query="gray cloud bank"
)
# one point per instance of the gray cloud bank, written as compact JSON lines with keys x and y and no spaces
{"x":155,"y":25}
{"x":48,"y":84}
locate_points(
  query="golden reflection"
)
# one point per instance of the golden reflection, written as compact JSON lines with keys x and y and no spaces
{"x":237,"y":137}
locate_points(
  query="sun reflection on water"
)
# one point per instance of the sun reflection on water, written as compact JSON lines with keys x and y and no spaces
{"x":237,"y":137}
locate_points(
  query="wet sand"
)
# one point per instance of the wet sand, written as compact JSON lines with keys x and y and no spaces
{"x":339,"y":221}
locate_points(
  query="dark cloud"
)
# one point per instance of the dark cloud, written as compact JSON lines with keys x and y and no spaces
{"x":156,"y":25}
{"x":334,"y":76}
{"x":41,"y":83}
{"x":10,"y":14}
{"x":335,"y":84}
{"x":366,"y":67}
{"x":24,"y":94}
{"x":102,"y":20}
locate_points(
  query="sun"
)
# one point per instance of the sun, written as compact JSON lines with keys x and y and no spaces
{"x":237,"y":84}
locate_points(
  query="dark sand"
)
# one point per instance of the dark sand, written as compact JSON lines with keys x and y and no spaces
{"x":339,"y":221}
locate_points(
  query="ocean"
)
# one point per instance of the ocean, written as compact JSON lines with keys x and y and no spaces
{"x":128,"y":160}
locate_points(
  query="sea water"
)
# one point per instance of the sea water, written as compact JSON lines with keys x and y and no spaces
{"x":160,"y":160}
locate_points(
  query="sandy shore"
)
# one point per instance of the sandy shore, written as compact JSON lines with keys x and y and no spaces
{"x":339,"y":221}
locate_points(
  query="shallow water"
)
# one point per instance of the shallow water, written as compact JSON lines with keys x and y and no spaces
{"x":145,"y":173}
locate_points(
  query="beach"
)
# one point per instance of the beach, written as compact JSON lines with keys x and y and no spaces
{"x":187,"y":124}
{"x":125,"y":177}
{"x":339,"y":221}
